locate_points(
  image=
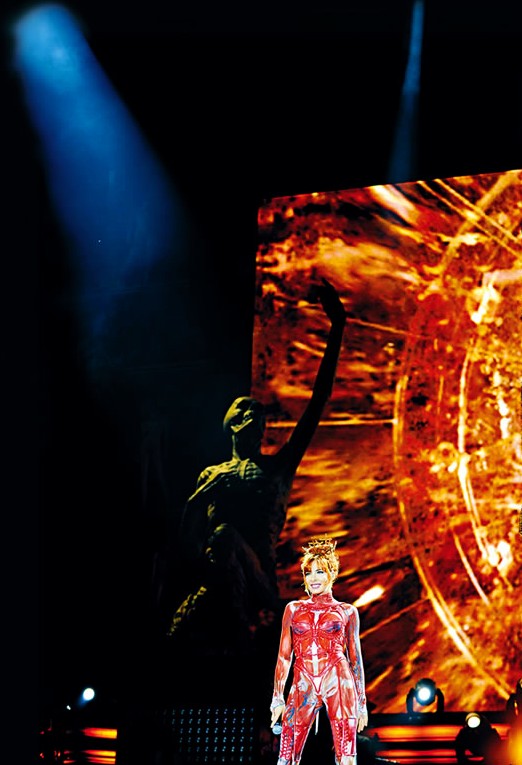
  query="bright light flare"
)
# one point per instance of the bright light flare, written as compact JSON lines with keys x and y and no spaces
{"x":473,"y":720}
{"x":88,"y":694}
{"x":374,"y":593}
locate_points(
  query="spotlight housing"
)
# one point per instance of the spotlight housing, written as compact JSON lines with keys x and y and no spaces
{"x":424,"y":694}
{"x":514,"y":705}
{"x":473,"y":720}
{"x":478,"y":739}
{"x":88,"y":694}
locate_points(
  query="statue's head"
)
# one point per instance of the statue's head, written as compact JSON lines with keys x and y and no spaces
{"x":245,"y":421}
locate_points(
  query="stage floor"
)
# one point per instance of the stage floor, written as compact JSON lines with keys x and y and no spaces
{"x":235,"y":735}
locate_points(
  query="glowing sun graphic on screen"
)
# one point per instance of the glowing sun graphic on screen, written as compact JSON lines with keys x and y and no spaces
{"x":416,"y":468}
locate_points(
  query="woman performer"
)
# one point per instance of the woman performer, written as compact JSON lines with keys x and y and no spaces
{"x":322,"y":634}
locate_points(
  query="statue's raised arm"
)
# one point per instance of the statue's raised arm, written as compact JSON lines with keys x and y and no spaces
{"x":309,"y":420}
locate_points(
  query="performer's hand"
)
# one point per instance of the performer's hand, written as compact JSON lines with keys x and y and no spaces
{"x":276,"y":713}
{"x":331,"y":302}
{"x":362,"y":721}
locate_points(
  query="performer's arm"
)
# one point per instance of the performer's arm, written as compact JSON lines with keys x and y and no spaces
{"x":284,"y":661}
{"x":305,"y":428}
{"x":354,"y":653}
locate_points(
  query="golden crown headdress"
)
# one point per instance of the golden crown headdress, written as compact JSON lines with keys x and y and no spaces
{"x":316,"y":546}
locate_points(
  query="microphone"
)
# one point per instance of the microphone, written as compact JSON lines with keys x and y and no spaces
{"x":277,"y":728}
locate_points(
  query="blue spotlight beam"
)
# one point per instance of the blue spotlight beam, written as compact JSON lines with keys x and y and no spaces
{"x":403,"y":158}
{"x":115,"y":204}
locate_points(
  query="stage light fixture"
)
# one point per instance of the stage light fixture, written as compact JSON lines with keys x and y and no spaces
{"x":514,"y":718}
{"x":86,"y":696}
{"x":425,"y":693}
{"x":514,"y":705}
{"x":473,"y":720}
{"x":478,"y":742}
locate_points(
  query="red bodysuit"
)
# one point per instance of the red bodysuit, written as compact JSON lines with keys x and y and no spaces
{"x":322,"y":634}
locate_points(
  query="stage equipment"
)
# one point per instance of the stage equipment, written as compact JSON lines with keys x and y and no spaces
{"x":514,"y":705}
{"x":211,"y":734}
{"x":478,"y":739}
{"x":514,"y":718}
{"x":88,"y":694}
{"x":424,"y":694}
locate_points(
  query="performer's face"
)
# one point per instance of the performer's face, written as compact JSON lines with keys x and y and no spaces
{"x":317,"y":578}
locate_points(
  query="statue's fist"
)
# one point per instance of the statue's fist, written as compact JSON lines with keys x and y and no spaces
{"x":330,"y":301}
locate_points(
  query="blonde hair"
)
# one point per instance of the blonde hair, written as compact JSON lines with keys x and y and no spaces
{"x":322,"y":551}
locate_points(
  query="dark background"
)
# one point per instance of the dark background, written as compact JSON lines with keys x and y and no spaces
{"x":240,"y":102}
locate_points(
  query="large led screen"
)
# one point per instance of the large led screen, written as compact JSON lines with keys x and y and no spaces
{"x":416,"y":466}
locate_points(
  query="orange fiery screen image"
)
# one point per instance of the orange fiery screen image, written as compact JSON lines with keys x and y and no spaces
{"x":416,"y":466}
